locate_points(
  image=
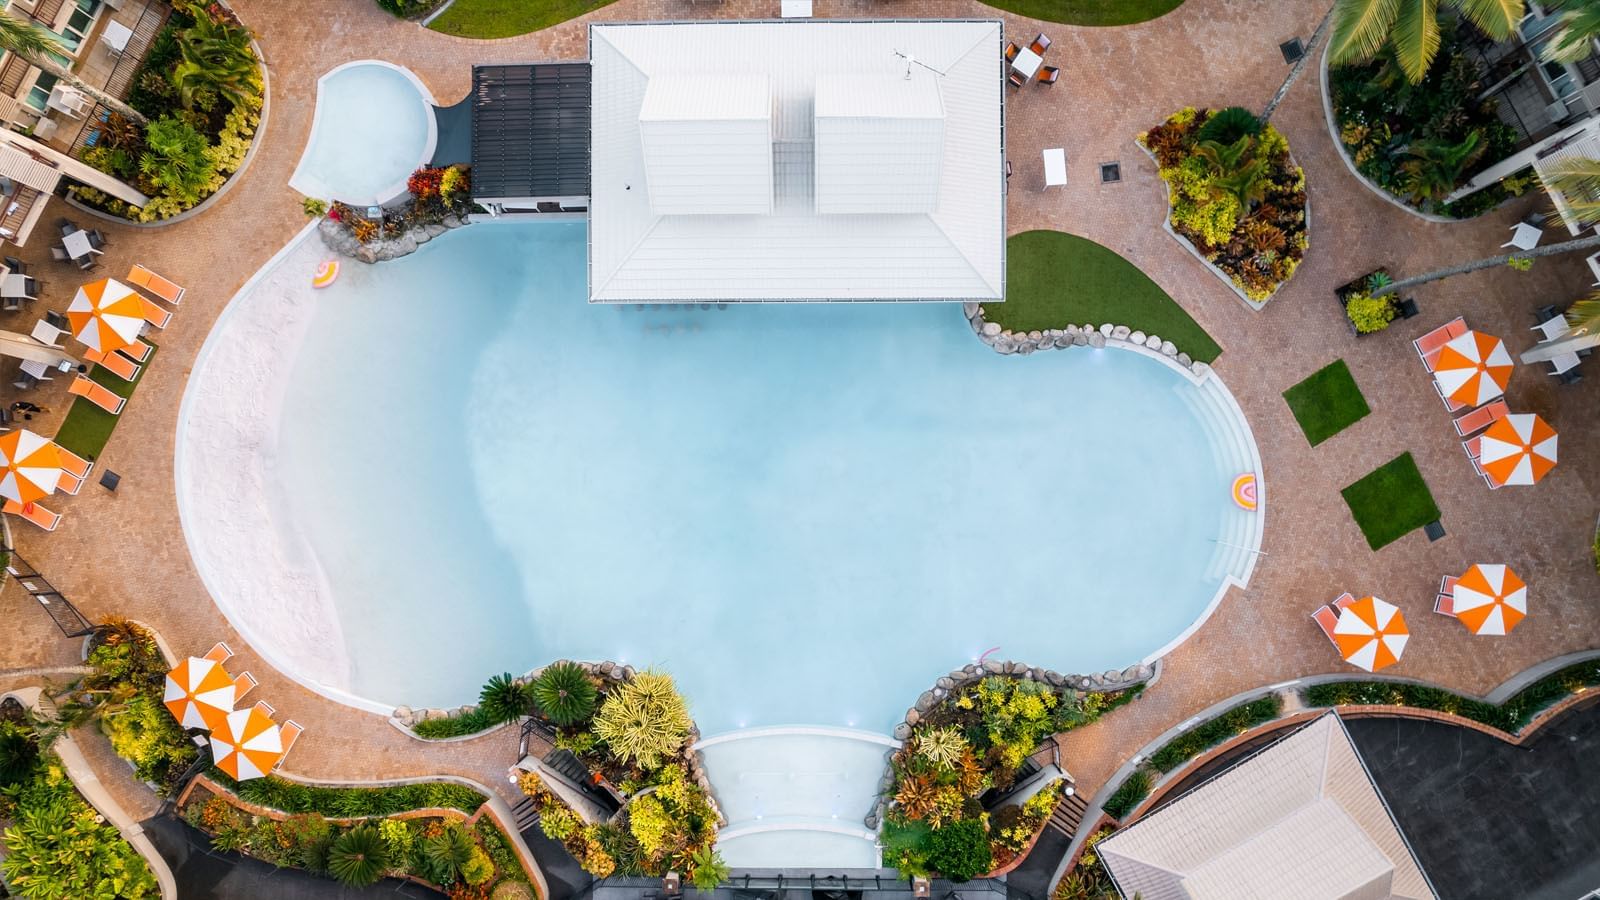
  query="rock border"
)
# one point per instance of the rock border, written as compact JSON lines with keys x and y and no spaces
{"x":1070,"y":686}
{"x":1007,"y":342}
{"x":340,"y":240}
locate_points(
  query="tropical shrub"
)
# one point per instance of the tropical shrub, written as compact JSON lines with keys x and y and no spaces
{"x":1511,"y":716}
{"x":960,"y":850}
{"x":314,"y":208}
{"x":564,"y":693}
{"x":1087,"y":880}
{"x":175,"y":161}
{"x":1368,"y":313}
{"x":58,"y":847}
{"x":359,"y":857}
{"x":1214,"y":731}
{"x":707,"y":869}
{"x":644,"y":720}
{"x":1129,"y":794}
{"x":144,"y":733}
{"x":19,"y":754}
{"x":405,"y":9}
{"x":350,"y":802}
{"x":215,"y":61}
{"x":447,"y":854}
{"x":1236,"y":194}
{"x":505,"y":699}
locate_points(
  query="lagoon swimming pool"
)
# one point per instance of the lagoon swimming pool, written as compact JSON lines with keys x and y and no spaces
{"x":374,"y":125}
{"x":806,"y":513}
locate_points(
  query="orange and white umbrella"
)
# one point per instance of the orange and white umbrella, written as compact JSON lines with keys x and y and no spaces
{"x":199,"y":693}
{"x":1518,"y":449}
{"x":247,"y":745}
{"x":106,"y":315}
{"x":1490,"y":599}
{"x":1371,"y":634}
{"x":31,"y":466}
{"x":1473,"y":368}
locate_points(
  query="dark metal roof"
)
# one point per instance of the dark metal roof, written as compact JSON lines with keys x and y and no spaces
{"x":530,"y":130}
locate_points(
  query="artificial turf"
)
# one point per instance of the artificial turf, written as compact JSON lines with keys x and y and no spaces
{"x":1391,"y":501}
{"x":508,"y":18}
{"x":1054,"y":279}
{"x":1089,"y":12}
{"x":1326,"y":403}
{"x":87,"y":427}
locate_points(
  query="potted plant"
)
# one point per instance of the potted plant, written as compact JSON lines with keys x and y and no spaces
{"x":1365,"y":313}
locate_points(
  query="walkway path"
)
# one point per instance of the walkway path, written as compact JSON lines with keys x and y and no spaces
{"x":124,"y":553}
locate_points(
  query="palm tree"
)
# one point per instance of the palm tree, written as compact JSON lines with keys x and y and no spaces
{"x":37,"y":45}
{"x":216,"y":57}
{"x":1362,"y":27}
{"x":1580,"y":25}
{"x":1435,"y":166}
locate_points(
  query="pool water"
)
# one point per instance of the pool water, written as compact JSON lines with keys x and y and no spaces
{"x":374,"y":126}
{"x":805,"y":513}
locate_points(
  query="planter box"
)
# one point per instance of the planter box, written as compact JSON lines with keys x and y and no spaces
{"x":1345,"y":291}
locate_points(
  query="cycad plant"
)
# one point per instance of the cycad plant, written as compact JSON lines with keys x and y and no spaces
{"x":216,"y":57}
{"x":447,"y":853}
{"x":564,"y":693}
{"x":644,"y":720}
{"x":359,"y":857}
{"x":504,"y":699}
{"x":1361,"y":28}
{"x":1434,"y":167}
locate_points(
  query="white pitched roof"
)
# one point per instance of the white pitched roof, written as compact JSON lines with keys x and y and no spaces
{"x":1300,"y":819}
{"x":924,"y":223}
{"x":708,"y":144}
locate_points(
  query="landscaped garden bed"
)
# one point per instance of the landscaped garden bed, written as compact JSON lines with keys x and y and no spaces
{"x":56,"y":844}
{"x":1510,"y":717}
{"x":1236,"y":197}
{"x":200,"y":87}
{"x":1326,"y":403}
{"x":974,"y":741}
{"x":1391,"y":501}
{"x":1364,"y":313}
{"x":1086,"y":878}
{"x":1187,"y":746}
{"x":435,"y":833}
{"x":439,"y":199}
{"x":1420,"y":142}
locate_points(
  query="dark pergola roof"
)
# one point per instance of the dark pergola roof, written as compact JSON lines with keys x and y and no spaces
{"x":530,"y":130}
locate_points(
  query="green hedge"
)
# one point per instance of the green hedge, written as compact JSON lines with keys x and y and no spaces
{"x":453,"y":726}
{"x":1510,"y":716}
{"x":1196,"y":741}
{"x":350,"y":802}
{"x":1130,"y":794}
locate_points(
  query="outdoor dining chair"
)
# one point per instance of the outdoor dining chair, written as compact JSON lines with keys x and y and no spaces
{"x":1049,"y":74}
{"x":1040,"y":44}
{"x":59,"y":254}
{"x":96,"y":239}
{"x":1011,"y":52}
{"x":66,"y":226}
{"x":16,"y":266}
{"x":1016,"y":79}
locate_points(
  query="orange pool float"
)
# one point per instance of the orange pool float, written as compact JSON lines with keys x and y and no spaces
{"x":327,"y":273}
{"x":1244,"y":491}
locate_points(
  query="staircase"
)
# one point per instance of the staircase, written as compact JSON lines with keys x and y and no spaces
{"x":1068,"y":816}
{"x":24,"y":199}
{"x":525,"y":814}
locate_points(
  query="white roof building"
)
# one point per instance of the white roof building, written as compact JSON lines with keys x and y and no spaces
{"x":1300,"y":818}
{"x":802,"y":160}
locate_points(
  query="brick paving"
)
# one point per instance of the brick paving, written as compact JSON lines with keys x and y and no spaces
{"x":124,"y":553}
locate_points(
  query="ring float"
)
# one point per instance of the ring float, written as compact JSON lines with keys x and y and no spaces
{"x":1244,"y":491}
{"x":327,"y":273}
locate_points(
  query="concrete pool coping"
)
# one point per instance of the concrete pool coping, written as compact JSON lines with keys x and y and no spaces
{"x":311,"y":185}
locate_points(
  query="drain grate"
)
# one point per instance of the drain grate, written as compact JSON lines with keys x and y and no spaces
{"x":1110,"y":172}
{"x":1292,"y":50}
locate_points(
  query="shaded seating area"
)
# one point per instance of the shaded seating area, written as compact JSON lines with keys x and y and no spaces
{"x":1027,"y":63}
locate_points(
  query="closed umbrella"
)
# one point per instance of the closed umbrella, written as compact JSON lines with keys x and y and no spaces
{"x":32,"y":466}
{"x":248,"y":744}
{"x":1518,"y":449}
{"x":1473,"y":368}
{"x":1490,"y":599}
{"x":200,"y":693}
{"x":1371,"y":634}
{"x":106,"y":315}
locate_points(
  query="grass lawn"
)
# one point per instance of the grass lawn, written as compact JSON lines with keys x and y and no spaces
{"x":1392,"y":501}
{"x":1054,"y":279}
{"x":508,"y":18}
{"x":1088,"y":12}
{"x":1326,"y":403}
{"x":87,"y":427}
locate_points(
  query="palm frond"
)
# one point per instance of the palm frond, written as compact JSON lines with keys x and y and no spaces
{"x":1574,"y":40}
{"x":1576,"y":182}
{"x":1495,"y":18}
{"x":26,"y":39}
{"x":1415,"y":37}
{"x":1583,"y":317}
{"x":1360,"y":29}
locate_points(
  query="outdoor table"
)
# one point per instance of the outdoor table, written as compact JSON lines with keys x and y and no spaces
{"x":1027,"y":62}
{"x":37,"y":369}
{"x":115,"y":37}
{"x":14,"y":286}
{"x":796,"y":9}
{"x":1055,"y":166}
{"x":1526,"y":237}
{"x":77,"y":244}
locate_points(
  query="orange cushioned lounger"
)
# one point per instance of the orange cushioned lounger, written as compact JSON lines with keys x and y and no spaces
{"x":34,"y":513}
{"x":139,"y":276}
{"x":74,"y":463}
{"x":99,"y":396}
{"x":154,"y":314}
{"x":69,"y":483}
{"x":1326,"y":618}
{"x":138,"y":351}
{"x":119,"y":365}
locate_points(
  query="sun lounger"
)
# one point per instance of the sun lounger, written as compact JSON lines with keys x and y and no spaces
{"x":1451,"y":405}
{"x":1471,"y":445}
{"x":1447,"y":586}
{"x":72,"y":462}
{"x":1429,"y":345}
{"x":1326,"y":618}
{"x":1479,"y":469}
{"x":1343,"y":600}
{"x":69,"y":483}
{"x":163,"y":289}
{"x":1480,"y":418}
{"x":219,"y":653}
{"x":242,"y":685}
{"x":291,"y":731}
{"x":138,"y":351}
{"x":34,"y":513}
{"x":99,"y":396}
{"x":116,"y":363}
{"x":154,"y":314}
{"x":265,"y":708}
{"x":1445,"y":605}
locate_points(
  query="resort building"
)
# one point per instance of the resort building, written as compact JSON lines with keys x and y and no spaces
{"x":1300,"y":818}
{"x":797,"y":161}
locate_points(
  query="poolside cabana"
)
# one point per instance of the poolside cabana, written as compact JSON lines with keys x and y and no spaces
{"x":1301,"y":818}
{"x":803,"y":160}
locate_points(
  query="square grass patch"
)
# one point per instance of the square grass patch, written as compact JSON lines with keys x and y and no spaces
{"x":1326,"y":403}
{"x":87,"y":427}
{"x":1391,"y":501}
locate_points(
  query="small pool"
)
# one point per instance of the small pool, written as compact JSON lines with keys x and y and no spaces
{"x":373,"y":127}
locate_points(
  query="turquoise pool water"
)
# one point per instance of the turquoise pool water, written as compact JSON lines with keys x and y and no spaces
{"x":804,"y":513}
{"x":374,"y":126}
